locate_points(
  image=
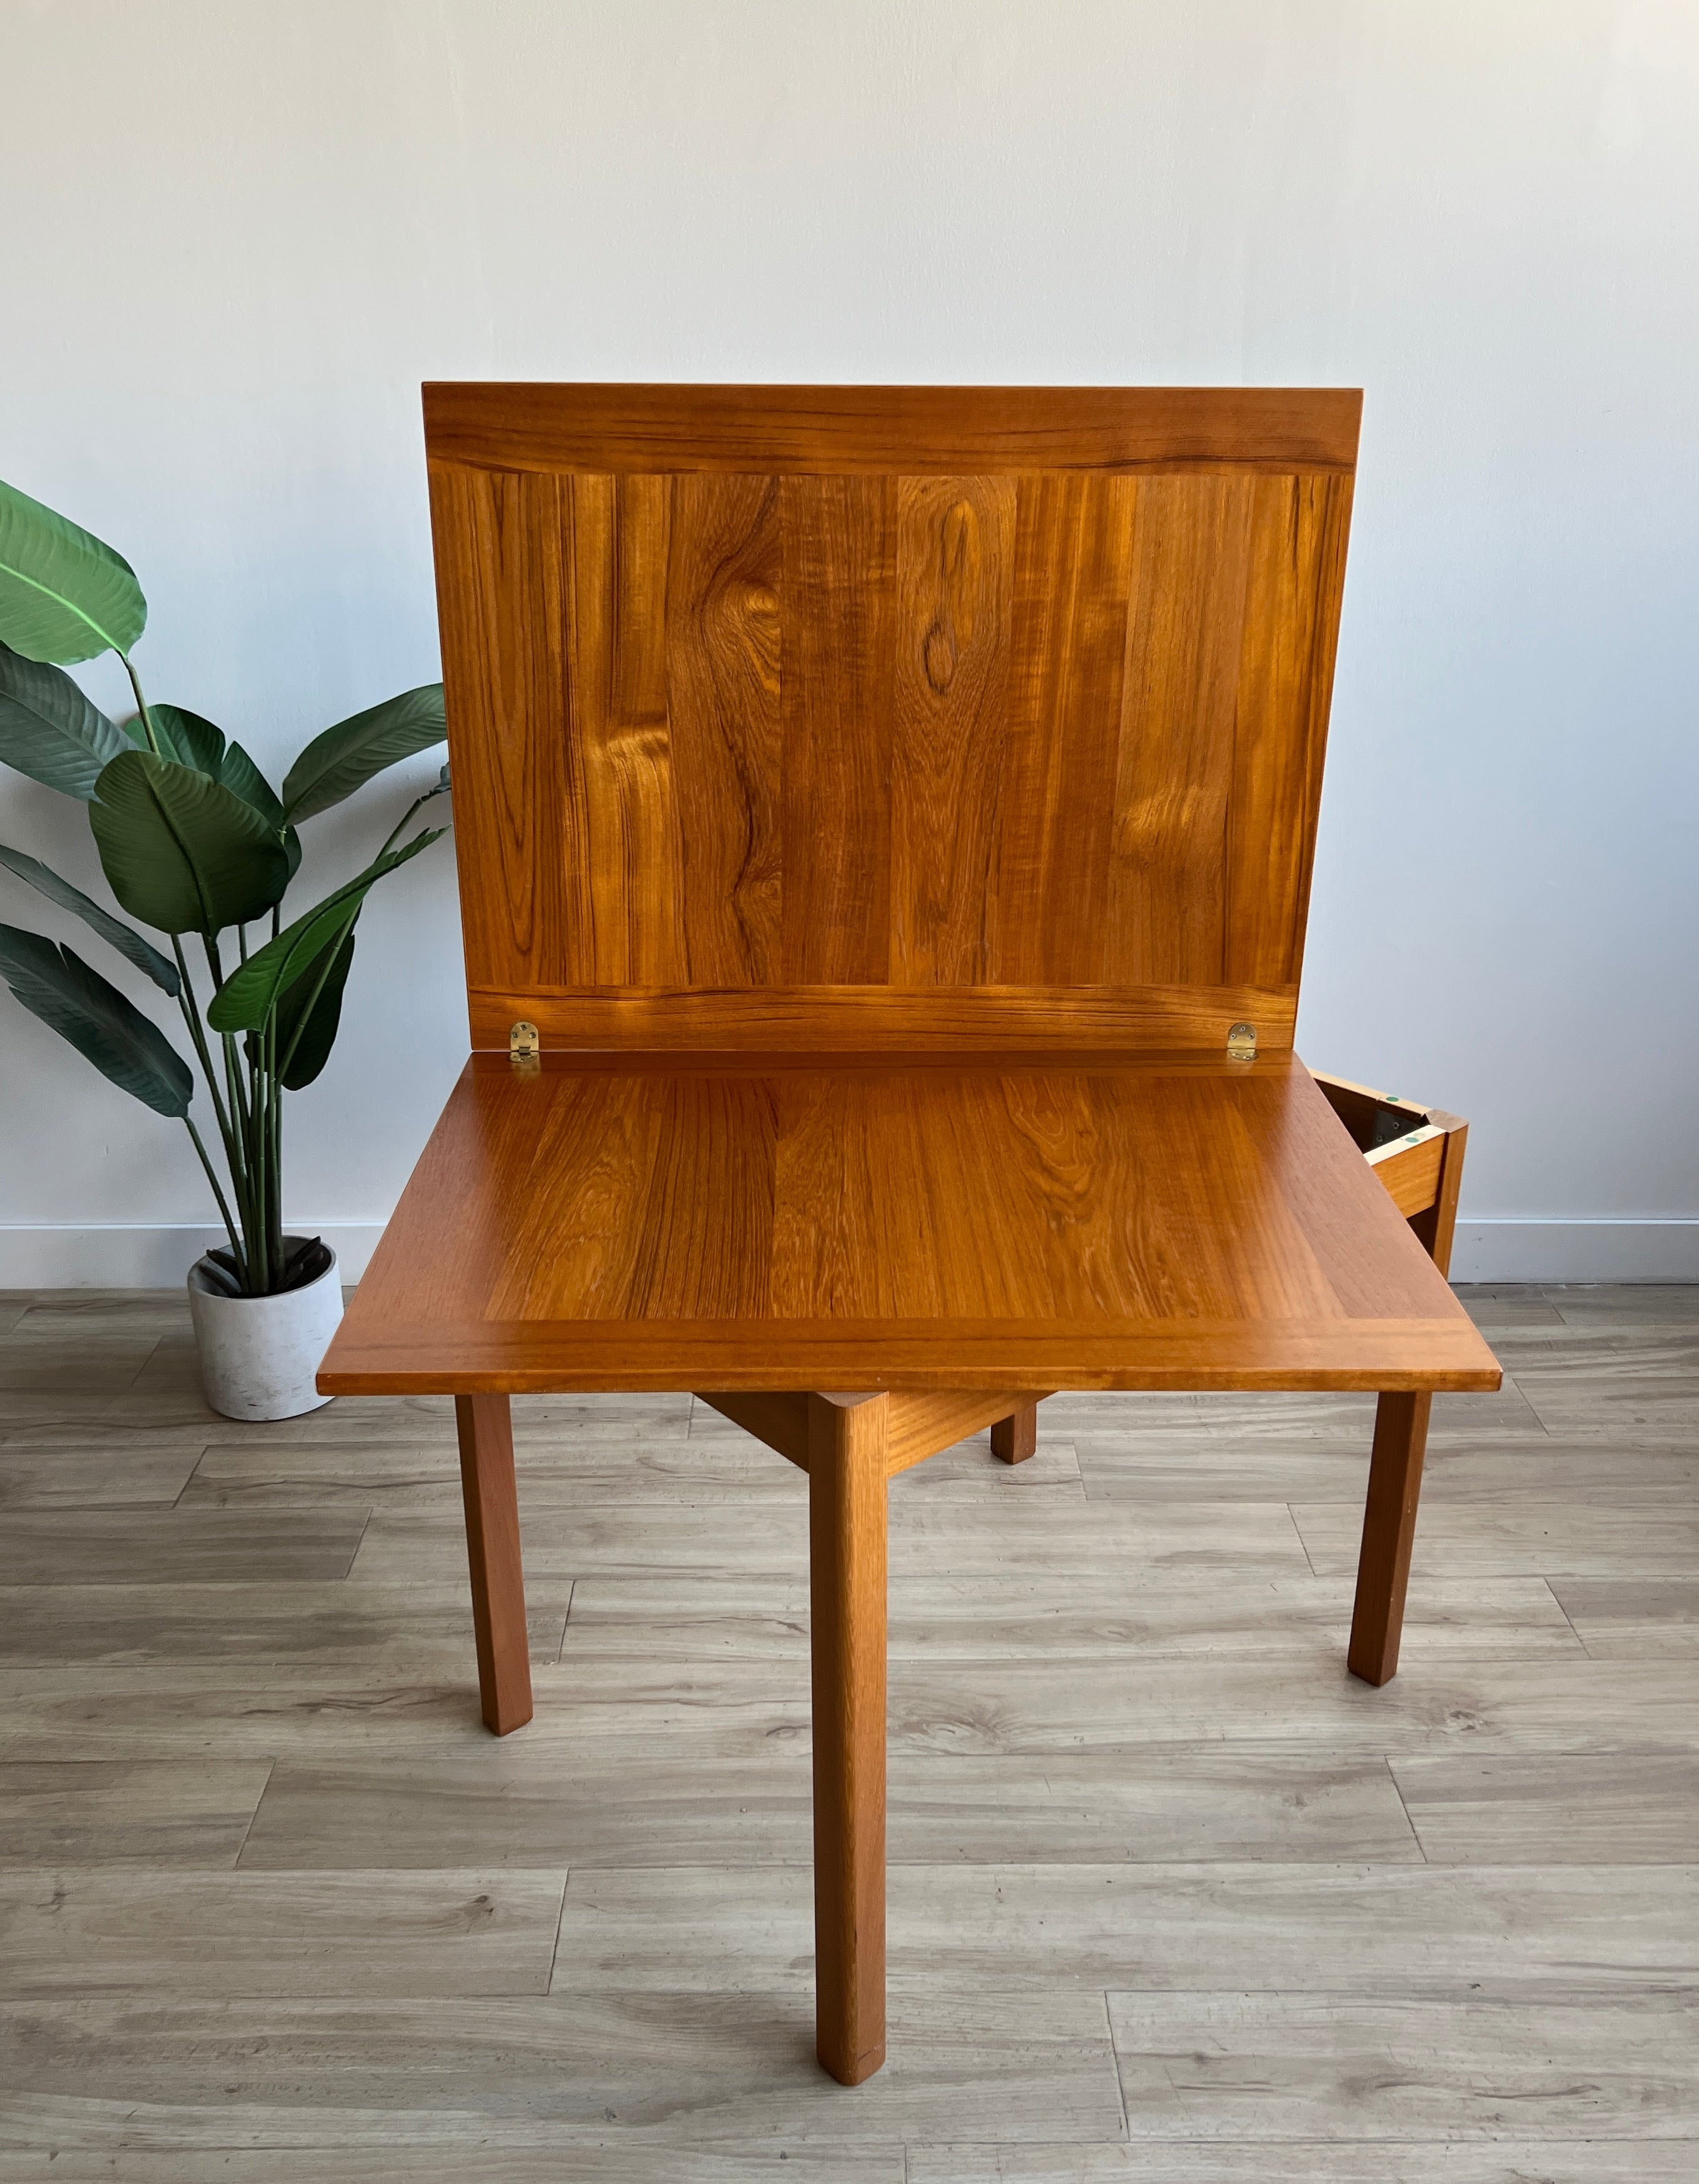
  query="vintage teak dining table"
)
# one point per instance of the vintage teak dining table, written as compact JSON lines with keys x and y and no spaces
{"x":885,"y":818}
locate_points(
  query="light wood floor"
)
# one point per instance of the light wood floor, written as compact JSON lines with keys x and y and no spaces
{"x":1171,"y":1897}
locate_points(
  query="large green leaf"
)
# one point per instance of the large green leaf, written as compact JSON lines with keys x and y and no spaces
{"x":64,"y":595}
{"x":248,"y":996}
{"x":345,"y":757}
{"x":49,"y":730}
{"x":192,"y":740}
{"x":185,"y":737}
{"x":240,"y":775}
{"x":180,"y":852}
{"x":123,"y":938}
{"x":308,"y":1015}
{"x":55,"y":984}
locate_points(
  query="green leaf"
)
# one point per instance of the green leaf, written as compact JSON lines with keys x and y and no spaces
{"x":185,"y":737}
{"x":347,"y":756}
{"x":243,"y":779}
{"x":248,"y":996}
{"x":308,"y":1015}
{"x":49,"y":730}
{"x":55,"y":984}
{"x":64,"y":595}
{"x":180,"y":852}
{"x":123,"y":938}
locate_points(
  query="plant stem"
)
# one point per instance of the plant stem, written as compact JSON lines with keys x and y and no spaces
{"x":236,"y":1251}
{"x":226,"y":1124}
{"x":148,"y":728}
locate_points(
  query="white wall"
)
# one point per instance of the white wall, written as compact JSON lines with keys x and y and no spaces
{"x":235,"y":236}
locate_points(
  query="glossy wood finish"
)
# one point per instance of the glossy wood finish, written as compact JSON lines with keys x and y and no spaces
{"x":847,"y":1469}
{"x":753,"y":743}
{"x":1436,"y":1224}
{"x":917,"y":1425}
{"x":1182,"y":1222}
{"x":884,"y":801}
{"x":924,"y":430}
{"x":1388,"y":1533}
{"x":492,"y":1510}
{"x":1016,"y":1438}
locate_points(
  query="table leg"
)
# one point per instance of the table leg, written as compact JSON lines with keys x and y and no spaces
{"x":1388,"y":1528}
{"x":1017,"y":1437}
{"x":492,"y":1499}
{"x":846,"y":1524}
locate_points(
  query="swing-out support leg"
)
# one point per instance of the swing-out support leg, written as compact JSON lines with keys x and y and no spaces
{"x":485,"y":1424}
{"x":1389,"y":1530}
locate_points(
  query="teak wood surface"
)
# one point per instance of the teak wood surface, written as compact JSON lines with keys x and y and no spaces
{"x":884,"y":801}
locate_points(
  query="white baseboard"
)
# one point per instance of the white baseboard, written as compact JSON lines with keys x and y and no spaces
{"x":1588,"y":1251}
{"x":139,"y":1256}
{"x":145,"y":1255}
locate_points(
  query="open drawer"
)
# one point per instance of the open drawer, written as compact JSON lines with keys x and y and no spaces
{"x":1418,"y":1153}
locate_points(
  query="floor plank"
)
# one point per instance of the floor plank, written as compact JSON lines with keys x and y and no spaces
{"x":1342,"y":2160}
{"x":1539,"y":1537}
{"x":1201,"y":1803}
{"x":1627,"y":1618}
{"x":83,"y":1478}
{"x":973,"y":1537}
{"x":1394,"y":1930}
{"x":84,"y":1811}
{"x":103,"y":1931}
{"x":153,"y":1546}
{"x":260,"y":1624}
{"x":1555,"y":1808}
{"x":690,"y":2068}
{"x":400,"y":2161}
{"x":1273,"y":2066}
{"x":1015,"y":1615}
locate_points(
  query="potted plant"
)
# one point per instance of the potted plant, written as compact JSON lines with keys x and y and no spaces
{"x":196,"y":844}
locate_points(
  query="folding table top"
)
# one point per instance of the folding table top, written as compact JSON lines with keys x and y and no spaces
{"x":1068,"y":1221}
{"x":883,"y":802}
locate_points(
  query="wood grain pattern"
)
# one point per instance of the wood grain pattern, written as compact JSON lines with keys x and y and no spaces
{"x":1016,"y":1438}
{"x":837,"y":618}
{"x":622,"y":824}
{"x":723,"y":649}
{"x":846,"y":1560}
{"x":955,"y":572}
{"x":917,"y":1425}
{"x":1012,"y":735}
{"x":1298,"y":526}
{"x":1173,"y":792}
{"x":1388,"y":1533}
{"x":913,"y":1020}
{"x":1073,"y":559}
{"x":936,"y":431}
{"x":492,"y":1514}
{"x":1184,"y":1224}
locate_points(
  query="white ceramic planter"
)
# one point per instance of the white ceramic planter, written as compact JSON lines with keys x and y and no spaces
{"x":258,"y":1355}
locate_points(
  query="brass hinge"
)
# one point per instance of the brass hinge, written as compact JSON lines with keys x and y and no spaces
{"x":1241,"y":1043}
{"x":524,"y":1046}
